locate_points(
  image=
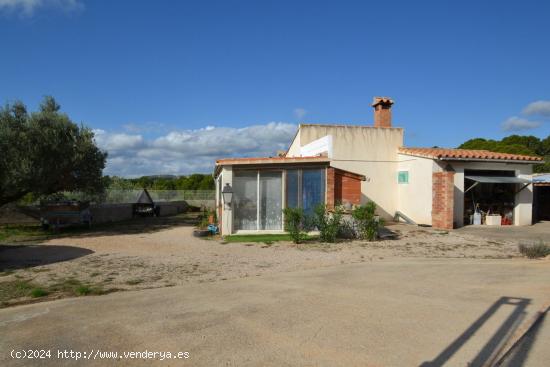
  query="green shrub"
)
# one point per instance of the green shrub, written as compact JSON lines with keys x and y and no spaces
{"x":346,"y":229}
{"x":294,"y":224}
{"x":203,"y":220}
{"x":535,"y":251}
{"x":38,"y":292}
{"x":83,"y":290}
{"x":329,"y":224}
{"x":367,"y":221}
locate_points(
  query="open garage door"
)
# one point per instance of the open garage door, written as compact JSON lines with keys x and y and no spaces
{"x":541,"y":197}
{"x":492,"y":197}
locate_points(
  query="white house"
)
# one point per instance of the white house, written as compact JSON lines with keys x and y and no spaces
{"x":336,"y":163}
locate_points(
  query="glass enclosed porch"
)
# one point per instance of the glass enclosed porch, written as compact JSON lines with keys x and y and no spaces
{"x":260,"y":195}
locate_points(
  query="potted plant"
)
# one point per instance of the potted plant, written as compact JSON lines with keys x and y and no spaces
{"x":202,"y":226}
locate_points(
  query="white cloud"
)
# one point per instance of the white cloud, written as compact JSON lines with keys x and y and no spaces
{"x":515,"y":123}
{"x":189,"y":151}
{"x":118,"y":141}
{"x":299,"y":113}
{"x":541,"y":108}
{"x":29,"y":7}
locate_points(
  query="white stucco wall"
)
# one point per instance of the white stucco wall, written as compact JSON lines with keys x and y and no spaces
{"x":294,"y":149}
{"x":320,"y":146}
{"x":365,"y":150}
{"x":415,"y":198}
{"x":227,"y":213}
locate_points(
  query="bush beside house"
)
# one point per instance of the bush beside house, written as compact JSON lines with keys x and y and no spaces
{"x":331,"y":224}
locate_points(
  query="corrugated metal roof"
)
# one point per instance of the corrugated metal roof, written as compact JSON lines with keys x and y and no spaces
{"x":541,"y":179}
{"x":495,"y":179}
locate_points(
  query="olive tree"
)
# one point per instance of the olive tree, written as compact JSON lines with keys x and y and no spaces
{"x":45,"y":152}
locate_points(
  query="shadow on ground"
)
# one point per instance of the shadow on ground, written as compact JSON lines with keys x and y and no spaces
{"x":518,"y":354}
{"x":131,"y":226}
{"x":492,"y":351}
{"x":26,"y":256}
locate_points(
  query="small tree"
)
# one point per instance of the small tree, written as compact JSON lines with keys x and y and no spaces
{"x":367,"y":221}
{"x":294,"y":224}
{"x":329,"y":224}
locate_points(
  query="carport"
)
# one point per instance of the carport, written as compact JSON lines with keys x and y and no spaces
{"x":541,"y":197}
{"x":493,"y":197}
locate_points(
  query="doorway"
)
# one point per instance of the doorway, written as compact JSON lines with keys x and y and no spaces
{"x":258,"y":200}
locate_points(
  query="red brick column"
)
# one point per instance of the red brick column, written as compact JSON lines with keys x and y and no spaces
{"x":331,"y":182}
{"x":442,"y":199}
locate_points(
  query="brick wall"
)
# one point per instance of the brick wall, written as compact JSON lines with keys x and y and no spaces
{"x":331,"y":183}
{"x":342,"y":187}
{"x":442,"y":199}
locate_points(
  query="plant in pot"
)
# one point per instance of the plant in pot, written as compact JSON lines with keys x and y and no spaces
{"x":202,"y":226}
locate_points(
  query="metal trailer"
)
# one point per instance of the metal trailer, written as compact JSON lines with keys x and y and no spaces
{"x":61,"y":214}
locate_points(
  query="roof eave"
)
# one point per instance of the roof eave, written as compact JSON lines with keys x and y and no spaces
{"x":472,"y":159}
{"x":522,"y":161}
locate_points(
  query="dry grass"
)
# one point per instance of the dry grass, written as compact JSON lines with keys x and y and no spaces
{"x":535,"y":251}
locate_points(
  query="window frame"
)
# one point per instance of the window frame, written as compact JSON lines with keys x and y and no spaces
{"x":300,"y":184}
{"x":399,"y":173}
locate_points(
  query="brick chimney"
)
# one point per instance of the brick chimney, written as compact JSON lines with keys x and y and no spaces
{"x":382,"y":111}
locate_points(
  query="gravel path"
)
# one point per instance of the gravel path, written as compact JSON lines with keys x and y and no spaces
{"x":172,"y":256}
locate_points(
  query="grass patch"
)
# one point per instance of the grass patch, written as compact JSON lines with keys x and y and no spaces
{"x":263,"y":238}
{"x":75,"y":287}
{"x":12,"y":290}
{"x":39,"y":292}
{"x":535,"y":251}
{"x":15,"y":289}
{"x":11,"y":233}
{"x":83,"y":290}
{"x":14,"y":233}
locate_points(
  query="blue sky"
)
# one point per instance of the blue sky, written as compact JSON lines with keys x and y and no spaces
{"x":171,"y":85}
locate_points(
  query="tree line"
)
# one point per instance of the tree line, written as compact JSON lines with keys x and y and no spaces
{"x":45,"y":152}
{"x":195,"y":181}
{"x":516,"y":144}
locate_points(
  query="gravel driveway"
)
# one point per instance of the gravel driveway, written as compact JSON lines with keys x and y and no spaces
{"x":172,"y":256}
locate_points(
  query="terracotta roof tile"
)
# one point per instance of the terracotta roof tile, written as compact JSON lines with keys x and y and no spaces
{"x":268,"y":160}
{"x":443,"y":153}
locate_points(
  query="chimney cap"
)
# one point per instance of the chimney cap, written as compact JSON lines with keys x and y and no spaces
{"x":385,"y":101}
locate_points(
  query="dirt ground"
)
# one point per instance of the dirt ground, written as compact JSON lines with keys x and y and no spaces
{"x":391,"y":312}
{"x":127,"y":258}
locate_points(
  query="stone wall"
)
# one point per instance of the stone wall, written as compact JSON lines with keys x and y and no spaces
{"x":105,"y":213}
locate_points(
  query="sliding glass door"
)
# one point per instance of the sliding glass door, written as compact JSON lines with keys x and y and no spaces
{"x":271,"y":200}
{"x":258,"y":200}
{"x":245,"y":201}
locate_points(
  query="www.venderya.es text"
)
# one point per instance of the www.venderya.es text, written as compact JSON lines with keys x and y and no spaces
{"x":95,"y":354}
